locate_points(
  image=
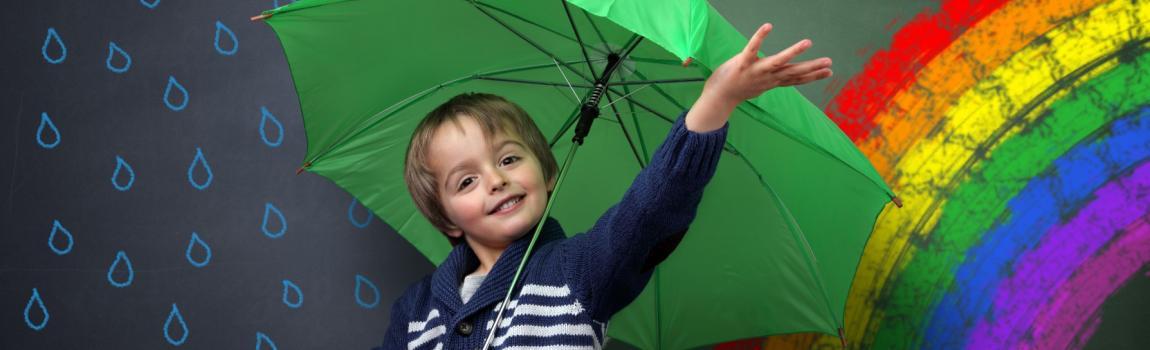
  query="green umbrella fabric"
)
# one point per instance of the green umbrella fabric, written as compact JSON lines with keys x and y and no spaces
{"x":781,"y":227}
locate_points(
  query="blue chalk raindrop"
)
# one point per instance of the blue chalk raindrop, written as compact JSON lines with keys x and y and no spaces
{"x":150,"y":4}
{"x":267,"y":116}
{"x":54,"y":37}
{"x":123,"y":167}
{"x":55,"y":133}
{"x":197,"y":242}
{"x":262,"y":339}
{"x":199,"y":162}
{"x":270,"y":209}
{"x":292,"y":288}
{"x":172,"y":83}
{"x":221,"y":28}
{"x":362,"y":283}
{"x":58,"y":228}
{"x":113,"y":51}
{"x":37,"y":301}
{"x":276,"y":3}
{"x":121,"y":258}
{"x":175,"y":315}
{"x":351,"y":215}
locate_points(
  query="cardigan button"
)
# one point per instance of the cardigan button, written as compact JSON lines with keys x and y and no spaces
{"x":465,"y":328}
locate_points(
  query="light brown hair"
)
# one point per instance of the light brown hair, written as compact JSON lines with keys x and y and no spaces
{"x":494,"y":114}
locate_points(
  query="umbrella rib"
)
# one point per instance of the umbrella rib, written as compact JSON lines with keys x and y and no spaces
{"x":596,"y":28}
{"x":568,"y":81}
{"x":662,"y":92}
{"x":529,"y":41}
{"x":566,"y":125}
{"x":579,"y":38}
{"x":660,"y":61}
{"x":534,"y":66}
{"x":626,"y":134}
{"x":531,"y":82}
{"x":539,"y":82}
{"x":635,"y":121}
{"x":660,"y":81}
{"x":644,"y":107}
{"x":629,"y":93}
{"x":635,"y":40}
{"x":537,"y":25}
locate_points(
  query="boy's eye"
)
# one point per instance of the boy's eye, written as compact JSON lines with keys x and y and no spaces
{"x":466,"y":182}
{"x":509,"y":160}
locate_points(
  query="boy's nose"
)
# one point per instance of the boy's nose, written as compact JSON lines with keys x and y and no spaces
{"x":498,"y":184}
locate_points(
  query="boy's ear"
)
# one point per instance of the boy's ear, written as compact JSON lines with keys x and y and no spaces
{"x":454,"y":231}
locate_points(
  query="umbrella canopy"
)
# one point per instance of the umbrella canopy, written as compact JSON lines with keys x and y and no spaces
{"x":781,"y":227}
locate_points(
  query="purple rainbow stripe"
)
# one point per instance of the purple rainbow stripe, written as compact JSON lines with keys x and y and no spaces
{"x":1072,"y":313}
{"x":1037,"y":207}
{"x":1040,"y":272}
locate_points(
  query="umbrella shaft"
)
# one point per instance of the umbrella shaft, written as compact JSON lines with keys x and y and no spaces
{"x":590,"y":109}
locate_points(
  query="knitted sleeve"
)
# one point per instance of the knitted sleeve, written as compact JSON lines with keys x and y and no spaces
{"x":396,"y":335}
{"x":401,"y":314}
{"x":606,"y":264}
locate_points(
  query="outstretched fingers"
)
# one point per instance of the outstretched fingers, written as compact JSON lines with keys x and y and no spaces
{"x":807,"y":77}
{"x":784,"y":57}
{"x":751,"y":51}
{"x":798,"y":69}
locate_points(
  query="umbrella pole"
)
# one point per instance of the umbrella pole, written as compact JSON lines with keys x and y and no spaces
{"x":530,"y":246}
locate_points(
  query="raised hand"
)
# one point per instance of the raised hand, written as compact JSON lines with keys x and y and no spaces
{"x":746,"y":75}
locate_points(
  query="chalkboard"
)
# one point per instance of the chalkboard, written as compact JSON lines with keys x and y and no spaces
{"x":149,"y":152}
{"x":150,"y":200}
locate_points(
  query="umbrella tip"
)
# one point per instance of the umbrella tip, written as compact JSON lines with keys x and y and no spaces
{"x":302,"y":168}
{"x":842,"y":338}
{"x":897,"y":201}
{"x":688,"y":61}
{"x":261,"y":17}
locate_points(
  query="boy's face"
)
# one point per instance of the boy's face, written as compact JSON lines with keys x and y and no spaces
{"x":491,"y":189}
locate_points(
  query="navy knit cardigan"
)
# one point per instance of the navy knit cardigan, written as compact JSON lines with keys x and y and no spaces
{"x":570,"y":286}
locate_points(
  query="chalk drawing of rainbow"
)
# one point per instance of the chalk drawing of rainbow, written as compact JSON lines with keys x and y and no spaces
{"x":1017,"y":134}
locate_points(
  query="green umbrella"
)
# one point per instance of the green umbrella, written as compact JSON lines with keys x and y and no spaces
{"x":781,"y":227}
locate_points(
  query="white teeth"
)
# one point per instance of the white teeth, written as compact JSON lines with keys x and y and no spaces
{"x":508,"y":204}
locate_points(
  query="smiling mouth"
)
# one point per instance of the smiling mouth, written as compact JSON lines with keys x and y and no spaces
{"x":508,"y":205}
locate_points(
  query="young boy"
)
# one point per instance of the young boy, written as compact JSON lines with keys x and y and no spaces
{"x":481,"y":172}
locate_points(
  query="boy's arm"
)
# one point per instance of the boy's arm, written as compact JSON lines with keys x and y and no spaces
{"x":606,"y":264}
{"x":610,"y":263}
{"x":396,"y":331}
{"x":401,"y":314}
